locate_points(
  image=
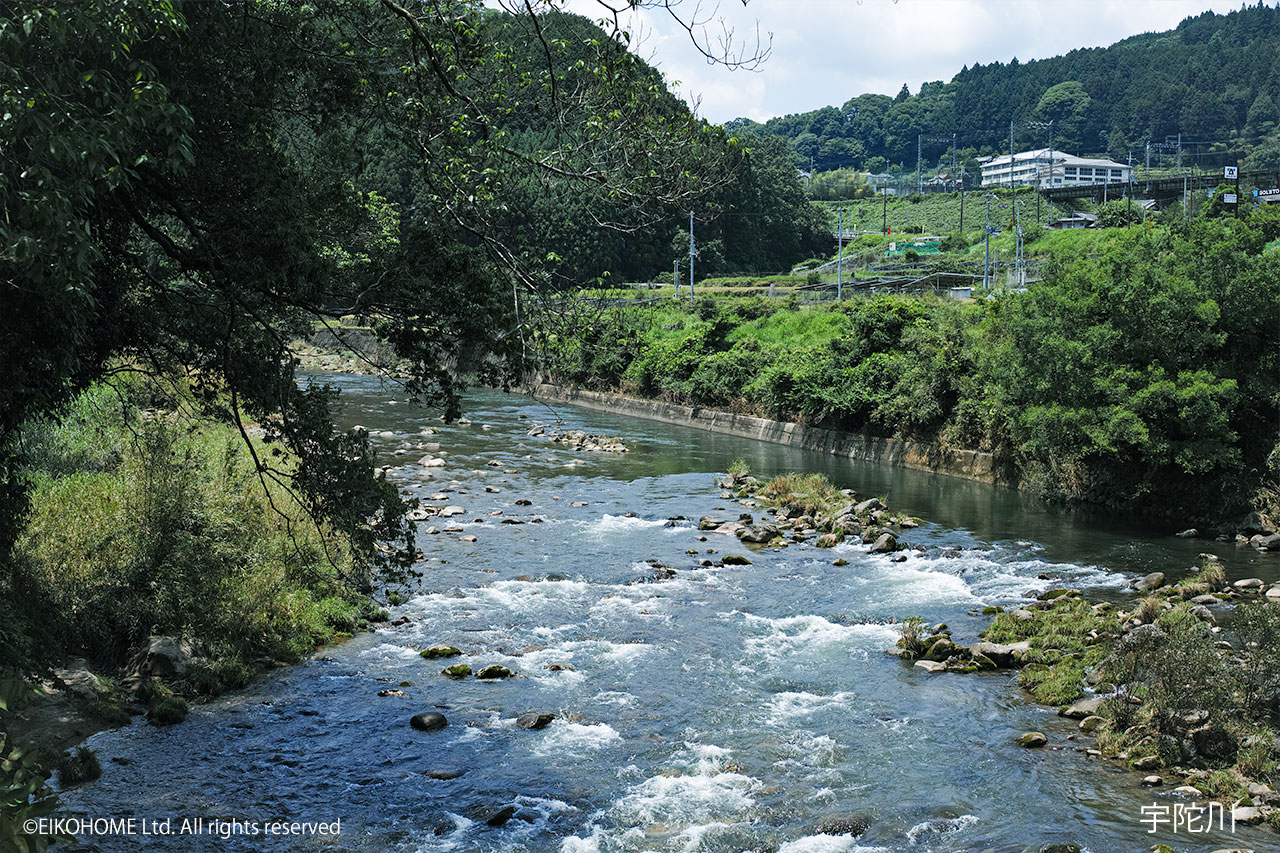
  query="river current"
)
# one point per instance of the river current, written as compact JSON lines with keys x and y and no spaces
{"x":724,"y":709}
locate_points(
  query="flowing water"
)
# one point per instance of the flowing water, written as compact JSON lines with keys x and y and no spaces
{"x":725,"y":709}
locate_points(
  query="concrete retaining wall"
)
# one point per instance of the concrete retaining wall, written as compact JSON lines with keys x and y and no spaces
{"x":969,"y":464}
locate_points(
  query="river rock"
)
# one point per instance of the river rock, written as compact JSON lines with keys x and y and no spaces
{"x":436,"y":652}
{"x":1214,"y":743}
{"x":1083,"y":708}
{"x":1150,"y":582}
{"x":1254,"y":524}
{"x":735,"y":560}
{"x":867,"y":506}
{"x":1246,"y":815}
{"x":1089,"y":725}
{"x":451,"y":511}
{"x":827,"y":540}
{"x":428,"y":721}
{"x":1032,"y":740}
{"x":501,"y":816}
{"x":708,"y":522}
{"x":758,"y":533}
{"x":162,"y":657}
{"x":458,"y":670}
{"x":534,"y":720}
{"x":431,"y":462}
{"x":886,"y":543}
{"x":443,"y":775}
{"x":494,"y":671}
{"x":1189,"y":533}
{"x":1248,"y":585}
{"x":931,"y":666}
{"x":843,"y":824}
{"x":1266,"y":542}
{"x":1146,"y":762}
{"x":80,"y":680}
{"x":1152,"y":781}
{"x":1001,"y":654}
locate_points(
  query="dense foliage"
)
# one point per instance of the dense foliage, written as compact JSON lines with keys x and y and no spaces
{"x":191,"y":187}
{"x":1143,"y":373}
{"x":1213,"y":79}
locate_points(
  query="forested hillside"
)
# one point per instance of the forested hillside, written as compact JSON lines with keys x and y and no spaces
{"x":1214,"y":79}
{"x":750,"y":210}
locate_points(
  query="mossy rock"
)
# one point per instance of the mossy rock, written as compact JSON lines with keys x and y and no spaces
{"x":735,"y":560}
{"x":1032,"y":740}
{"x":840,"y":562}
{"x":494,"y":671}
{"x":436,"y":652}
{"x":941,"y":649}
{"x":992,"y":610}
{"x":981,"y":661}
{"x":167,"y":711}
{"x":458,"y":670}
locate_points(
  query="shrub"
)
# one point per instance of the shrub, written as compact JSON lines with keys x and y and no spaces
{"x":911,"y":633}
{"x":172,"y":533}
{"x":77,"y":767}
{"x":167,"y":711}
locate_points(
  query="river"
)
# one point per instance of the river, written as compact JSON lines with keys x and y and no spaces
{"x":725,"y":709}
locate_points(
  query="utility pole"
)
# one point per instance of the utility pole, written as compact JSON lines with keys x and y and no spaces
{"x":1011,"y":153}
{"x":676,"y":276}
{"x":962,"y":201}
{"x":691,"y":250}
{"x":986,"y":257}
{"x":884,"y":215}
{"x":953,"y":158}
{"x":919,"y":178}
{"x":1128,"y":219}
{"x":840,"y":257}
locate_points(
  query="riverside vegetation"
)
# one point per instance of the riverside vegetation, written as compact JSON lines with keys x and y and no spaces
{"x":1171,"y":690}
{"x":142,"y":515}
{"x":1140,"y":374}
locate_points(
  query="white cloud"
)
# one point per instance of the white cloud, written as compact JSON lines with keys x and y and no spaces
{"x":827,"y":51}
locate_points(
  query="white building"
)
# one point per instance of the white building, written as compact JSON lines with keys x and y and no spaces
{"x":1045,"y":168}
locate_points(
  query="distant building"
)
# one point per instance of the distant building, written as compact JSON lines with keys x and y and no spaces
{"x":886,"y":184}
{"x":1045,"y":168}
{"x":1078,"y":219}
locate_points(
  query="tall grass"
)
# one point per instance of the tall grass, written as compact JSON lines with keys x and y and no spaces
{"x":155,"y":522}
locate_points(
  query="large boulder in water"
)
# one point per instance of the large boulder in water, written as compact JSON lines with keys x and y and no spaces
{"x":844,"y":824}
{"x":428,"y":721}
{"x":1150,"y":582}
{"x":534,"y":720}
{"x":708,"y":522}
{"x":887,"y":543}
{"x":758,"y":533}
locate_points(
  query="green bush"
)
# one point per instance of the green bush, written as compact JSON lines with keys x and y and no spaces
{"x":168,"y":530}
{"x":75,"y":768}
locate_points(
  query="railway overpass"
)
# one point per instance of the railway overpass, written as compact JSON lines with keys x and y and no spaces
{"x":1160,"y":188}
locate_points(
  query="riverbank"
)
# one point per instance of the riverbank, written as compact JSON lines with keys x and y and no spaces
{"x":155,"y":569}
{"x":1166,"y":691}
{"x":968,"y":464}
{"x":1130,"y":378}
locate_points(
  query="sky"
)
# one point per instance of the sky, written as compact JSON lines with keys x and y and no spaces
{"x":823,"y":52}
